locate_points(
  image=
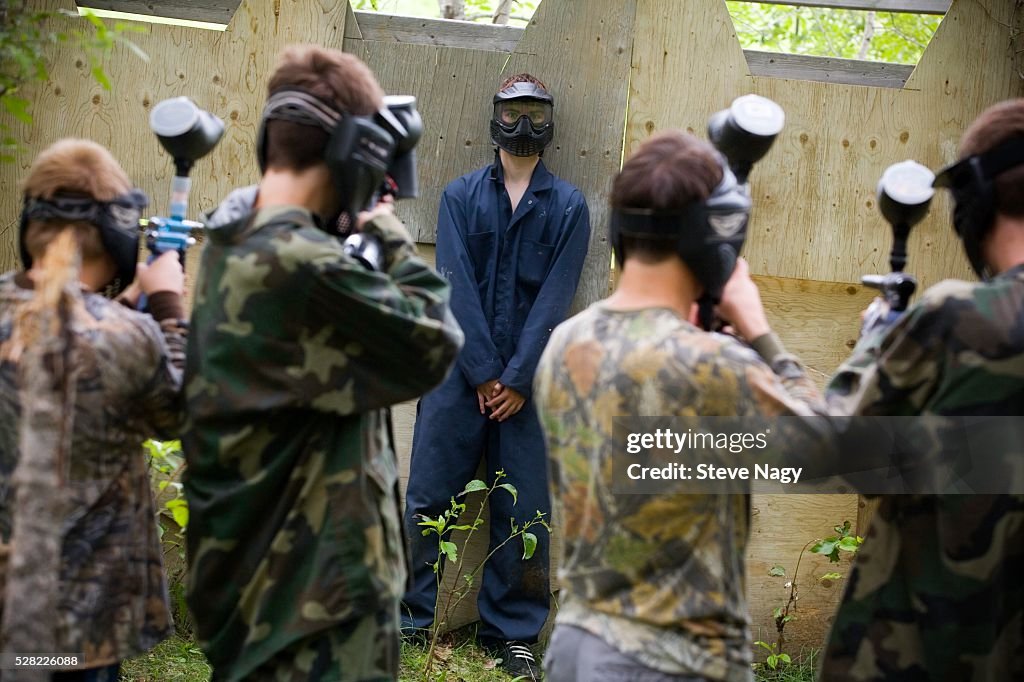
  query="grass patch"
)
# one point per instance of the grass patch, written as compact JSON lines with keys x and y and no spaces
{"x":802,"y":669}
{"x":459,"y":659}
{"x":177,"y":659}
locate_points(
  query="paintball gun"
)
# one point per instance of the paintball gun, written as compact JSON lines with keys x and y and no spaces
{"x":904,"y":194}
{"x":743,"y":134}
{"x":403,"y":123}
{"x":187,"y":133}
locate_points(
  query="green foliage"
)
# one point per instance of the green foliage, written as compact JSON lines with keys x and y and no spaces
{"x":475,"y":10}
{"x":849,"y":34}
{"x":843,"y":540}
{"x":26,"y":37}
{"x":774,"y":658}
{"x":802,"y":668}
{"x":450,"y":552}
{"x":166,"y":462}
{"x":483,"y":10}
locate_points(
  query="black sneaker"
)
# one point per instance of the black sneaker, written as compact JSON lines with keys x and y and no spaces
{"x":517,"y":660}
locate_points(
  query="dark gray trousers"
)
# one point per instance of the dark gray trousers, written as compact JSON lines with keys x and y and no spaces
{"x":575,"y":655}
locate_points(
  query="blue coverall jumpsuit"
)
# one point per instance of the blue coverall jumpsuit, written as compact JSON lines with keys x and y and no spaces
{"x":513,"y":278}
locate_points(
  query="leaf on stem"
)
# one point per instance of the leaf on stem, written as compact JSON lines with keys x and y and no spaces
{"x":512,"y":489}
{"x":473,"y":486}
{"x":529,"y":545}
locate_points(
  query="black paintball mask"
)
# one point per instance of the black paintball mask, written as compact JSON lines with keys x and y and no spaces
{"x":117,"y":220}
{"x":708,"y":234}
{"x":972,"y":182}
{"x":523,"y":122}
{"x":359,"y":149}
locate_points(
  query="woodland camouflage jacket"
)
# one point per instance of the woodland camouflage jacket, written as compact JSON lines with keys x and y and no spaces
{"x":111,"y":601}
{"x":296,"y":351}
{"x":936,"y":590}
{"x":661,"y":577}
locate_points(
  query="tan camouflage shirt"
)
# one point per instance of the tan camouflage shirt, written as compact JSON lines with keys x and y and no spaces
{"x":112,"y":597}
{"x":659,"y":577}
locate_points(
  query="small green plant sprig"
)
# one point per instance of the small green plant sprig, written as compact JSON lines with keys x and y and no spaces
{"x":774,"y":657}
{"x":449,"y":552}
{"x":844,"y":540}
{"x":166,"y":463}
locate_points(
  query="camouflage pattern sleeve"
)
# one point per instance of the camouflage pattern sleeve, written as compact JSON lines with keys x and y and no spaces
{"x":413,"y":339}
{"x":893,"y":371}
{"x":790,"y":374}
{"x":161,"y":400}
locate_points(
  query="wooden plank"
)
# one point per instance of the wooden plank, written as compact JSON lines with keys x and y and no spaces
{"x":216,"y":11}
{"x":817,"y":321}
{"x":582,"y":52}
{"x":468,"y":35}
{"x":827,"y":69}
{"x":908,"y":6}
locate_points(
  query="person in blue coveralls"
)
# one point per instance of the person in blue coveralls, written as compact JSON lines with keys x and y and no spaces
{"x":511,"y":239}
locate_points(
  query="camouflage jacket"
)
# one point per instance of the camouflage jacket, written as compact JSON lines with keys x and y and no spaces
{"x":935,"y":592}
{"x":112,"y":596}
{"x":659,"y":577}
{"x":296,"y":350}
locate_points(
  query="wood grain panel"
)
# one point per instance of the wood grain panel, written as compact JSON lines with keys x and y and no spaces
{"x":467,"y":35}
{"x":471,"y":35}
{"x":827,"y":69}
{"x":781,"y":527}
{"x":815,"y":213}
{"x":818,"y":321}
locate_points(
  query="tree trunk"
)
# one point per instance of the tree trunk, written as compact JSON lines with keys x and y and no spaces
{"x":453,"y":9}
{"x":502,"y":11}
{"x":869,"y":33}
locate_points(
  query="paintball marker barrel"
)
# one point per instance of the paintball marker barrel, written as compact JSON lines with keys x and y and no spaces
{"x":745,"y":132}
{"x":904,"y":193}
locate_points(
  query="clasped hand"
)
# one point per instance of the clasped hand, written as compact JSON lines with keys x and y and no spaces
{"x":502,"y":400}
